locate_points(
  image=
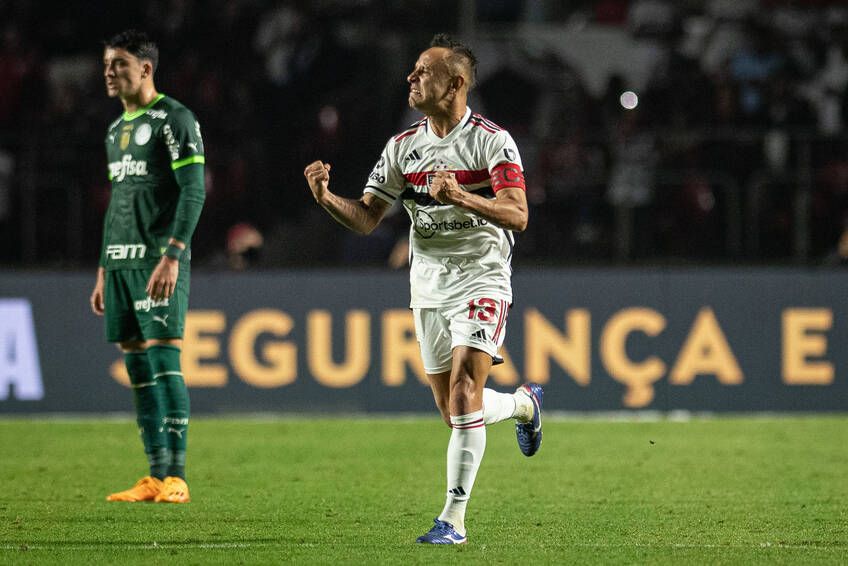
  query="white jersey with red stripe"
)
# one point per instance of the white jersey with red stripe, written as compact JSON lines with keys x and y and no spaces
{"x":455,"y":255}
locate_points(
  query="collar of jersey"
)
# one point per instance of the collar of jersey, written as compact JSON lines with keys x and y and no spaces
{"x":436,"y":140}
{"x":128,"y":116}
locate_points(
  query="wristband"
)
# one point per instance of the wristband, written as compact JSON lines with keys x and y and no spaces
{"x":173,"y":251}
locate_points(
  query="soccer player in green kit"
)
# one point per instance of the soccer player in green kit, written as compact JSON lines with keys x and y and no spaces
{"x":156,"y":166}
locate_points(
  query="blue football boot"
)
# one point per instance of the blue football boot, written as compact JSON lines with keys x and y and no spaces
{"x":442,"y":533}
{"x":529,"y":434}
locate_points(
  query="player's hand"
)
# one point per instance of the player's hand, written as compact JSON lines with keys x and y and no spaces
{"x":842,"y":248}
{"x":445,"y":189}
{"x":163,"y":280}
{"x":317,"y":175}
{"x":96,"y":299}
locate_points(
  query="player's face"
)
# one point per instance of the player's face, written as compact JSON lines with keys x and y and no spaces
{"x":429,"y":81}
{"x":124,"y":72}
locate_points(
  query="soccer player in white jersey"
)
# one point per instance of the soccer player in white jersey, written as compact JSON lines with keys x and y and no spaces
{"x":460,"y":178}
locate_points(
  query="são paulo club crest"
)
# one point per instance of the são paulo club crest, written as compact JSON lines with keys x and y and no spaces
{"x":441,"y":165}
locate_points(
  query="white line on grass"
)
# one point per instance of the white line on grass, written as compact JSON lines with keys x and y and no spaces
{"x":228,"y":545}
{"x":148,"y":546}
{"x":552,"y":415}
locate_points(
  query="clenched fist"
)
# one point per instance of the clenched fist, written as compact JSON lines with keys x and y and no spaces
{"x":317,"y":175}
{"x":445,"y":189}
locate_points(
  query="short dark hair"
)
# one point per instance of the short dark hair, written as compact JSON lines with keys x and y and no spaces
{"x":137,"y":43}
{"x":461,"y":56}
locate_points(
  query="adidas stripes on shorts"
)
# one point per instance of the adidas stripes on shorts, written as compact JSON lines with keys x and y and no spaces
{"x":478,"y":323}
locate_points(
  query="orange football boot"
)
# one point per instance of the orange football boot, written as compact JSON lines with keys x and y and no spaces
{"x":145,"y":489}
{"x":174,"y":490}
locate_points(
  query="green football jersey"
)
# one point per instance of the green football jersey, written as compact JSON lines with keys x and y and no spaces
{"x":145,"y":149}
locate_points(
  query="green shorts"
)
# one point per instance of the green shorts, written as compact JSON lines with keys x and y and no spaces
{"x":132,"y":315}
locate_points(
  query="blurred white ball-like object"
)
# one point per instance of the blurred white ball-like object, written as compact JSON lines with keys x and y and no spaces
{"x":629,"y":100}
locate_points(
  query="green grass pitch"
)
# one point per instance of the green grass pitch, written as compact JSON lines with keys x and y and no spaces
{"x":359,"y":491}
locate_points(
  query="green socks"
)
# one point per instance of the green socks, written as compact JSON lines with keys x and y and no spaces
{"x":165,"y":365}
{"x":147,"y":394}
{"x":162,"y":408}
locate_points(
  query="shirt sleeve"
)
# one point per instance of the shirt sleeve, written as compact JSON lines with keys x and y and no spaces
{"x":185,"y":145}
{"x":386,"y":181}
{"x":504,"y":162}
{"x":182,"y":136}
{"x":501,"y":148}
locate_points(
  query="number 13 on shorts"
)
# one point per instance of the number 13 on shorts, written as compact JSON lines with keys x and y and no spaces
{"x":491,"y":311}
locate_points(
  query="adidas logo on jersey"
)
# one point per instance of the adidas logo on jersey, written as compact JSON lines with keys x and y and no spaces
{"x":414,"y":156}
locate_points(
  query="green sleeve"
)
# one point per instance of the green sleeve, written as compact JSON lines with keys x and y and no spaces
{"x":185,"y":145}
{"x":192,"y":194}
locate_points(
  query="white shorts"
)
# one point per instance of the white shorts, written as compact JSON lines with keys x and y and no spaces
{"x":478,"y":323}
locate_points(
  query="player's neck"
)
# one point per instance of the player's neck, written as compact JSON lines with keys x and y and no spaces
{"x":142,"y":98}
{"x":442,"y":123}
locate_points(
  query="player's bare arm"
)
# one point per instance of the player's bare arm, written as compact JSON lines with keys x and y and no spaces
{"x":163,"y":280}
{"x":96,"y":300}
{"x":362,"y":215}
{"x":508,"y":210}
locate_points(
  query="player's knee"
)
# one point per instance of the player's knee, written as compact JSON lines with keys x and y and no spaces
{"x":131,"y":346}
{"x":175,"y":342}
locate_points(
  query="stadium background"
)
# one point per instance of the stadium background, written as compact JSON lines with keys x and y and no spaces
{"x":723,"y":191}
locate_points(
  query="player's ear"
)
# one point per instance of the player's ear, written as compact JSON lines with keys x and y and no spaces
{"x":457,"y":82}
{"x":146,"y":69}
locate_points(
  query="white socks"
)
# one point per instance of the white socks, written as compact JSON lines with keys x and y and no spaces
{"x":468,"y":443}
{"x":465,"y":452}
{"x":499,"y":407}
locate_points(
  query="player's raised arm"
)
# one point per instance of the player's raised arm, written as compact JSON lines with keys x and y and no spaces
{"x":362,"y":215}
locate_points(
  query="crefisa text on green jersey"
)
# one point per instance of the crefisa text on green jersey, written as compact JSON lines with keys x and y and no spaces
{"x":118,"y":170}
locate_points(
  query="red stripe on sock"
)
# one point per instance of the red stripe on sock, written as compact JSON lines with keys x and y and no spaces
{"x":473,"y":424}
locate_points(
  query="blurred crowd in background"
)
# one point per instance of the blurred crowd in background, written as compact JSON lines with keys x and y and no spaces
{"x":652,"y":131}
